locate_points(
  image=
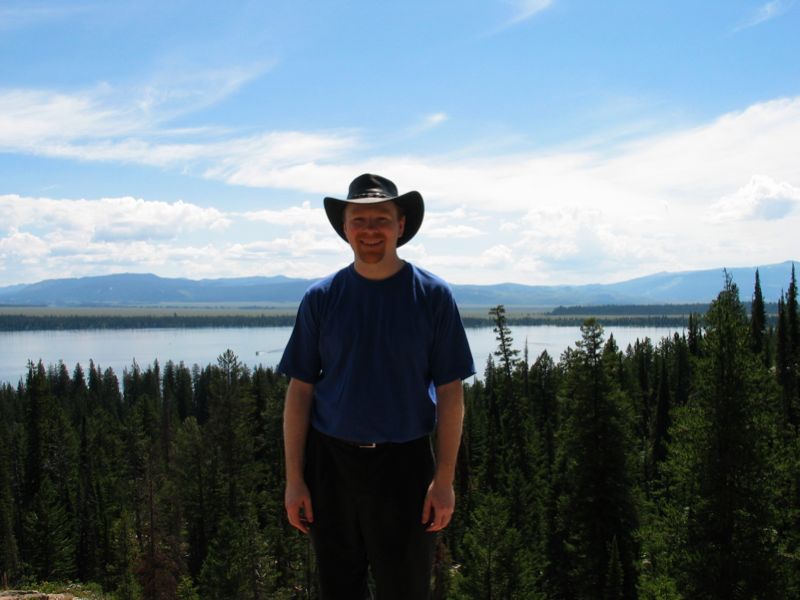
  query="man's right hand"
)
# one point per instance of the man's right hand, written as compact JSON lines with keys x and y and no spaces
{"x":298,"y":505}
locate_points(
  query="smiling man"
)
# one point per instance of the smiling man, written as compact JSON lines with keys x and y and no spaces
{"x":376,"y":361}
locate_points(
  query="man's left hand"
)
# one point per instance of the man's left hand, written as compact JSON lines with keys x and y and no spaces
{"x":440,"y":502}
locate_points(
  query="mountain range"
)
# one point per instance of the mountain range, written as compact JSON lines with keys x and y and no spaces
{"x":132,"y":289}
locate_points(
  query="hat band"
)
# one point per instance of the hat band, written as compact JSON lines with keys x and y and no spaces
{"x":369,"y":195}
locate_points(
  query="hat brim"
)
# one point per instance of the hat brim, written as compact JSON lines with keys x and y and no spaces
{"x":411,"y":203}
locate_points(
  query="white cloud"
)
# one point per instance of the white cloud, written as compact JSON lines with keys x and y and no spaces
{"x":451,"y":224}
{"x":22,"y":246}
{"x":766,"y":12}
{"x":299,"y":244}
{"x":44,"y":238}
{"x":452,"y":232}
{"x":499,"y":256}
{"x":110,"y":218}
{"x":761,"y":198}
{"x":509,"y":226}
{"x":642,"y":206}
{"x":601,"y":215}
{"x":302,"y":215}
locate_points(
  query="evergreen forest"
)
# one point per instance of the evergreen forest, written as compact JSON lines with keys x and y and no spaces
{"x":668,"y":469}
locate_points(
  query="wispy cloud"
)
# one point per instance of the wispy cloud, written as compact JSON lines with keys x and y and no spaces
{"x":177,"y":89}
{"x":525,"y":9}
{"x":105,"y":124}
{"x":16,"y":15}
{"x":432,"y":120}
{"x":34,"y":118}
{"x":521,"y":10}
{"x":766,"y":12}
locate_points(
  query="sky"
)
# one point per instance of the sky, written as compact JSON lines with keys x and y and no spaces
{"x":554,"y":141}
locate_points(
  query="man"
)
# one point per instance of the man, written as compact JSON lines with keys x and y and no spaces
{"x":376,"y":360}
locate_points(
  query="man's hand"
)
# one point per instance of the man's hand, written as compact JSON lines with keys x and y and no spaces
{"x":298,"y":506}
{"x":440,"y":502}
{"x":296,"y":414}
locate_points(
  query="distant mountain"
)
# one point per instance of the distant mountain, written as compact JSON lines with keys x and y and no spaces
{"x":661,"y":288}
{"x":132,"y":289}
{"x":128,"y":289}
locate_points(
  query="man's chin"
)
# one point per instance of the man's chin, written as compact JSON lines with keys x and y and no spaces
{"x":371,"y":258}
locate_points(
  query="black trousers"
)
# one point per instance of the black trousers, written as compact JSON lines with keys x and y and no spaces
{"x":367,"y":514}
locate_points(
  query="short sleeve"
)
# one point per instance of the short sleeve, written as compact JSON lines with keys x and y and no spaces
{"x":451,"y":357}
{"x":301,"y":359}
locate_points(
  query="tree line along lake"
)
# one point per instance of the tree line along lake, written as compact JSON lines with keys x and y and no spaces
{"x":118,"y":349}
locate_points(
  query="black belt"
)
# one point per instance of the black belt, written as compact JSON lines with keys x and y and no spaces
{"x":364,"y":445}
{"x":352,"y":444}
{"x":370,"y":446}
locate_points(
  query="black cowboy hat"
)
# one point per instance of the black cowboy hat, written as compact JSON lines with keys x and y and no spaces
{"x":371,"y":189}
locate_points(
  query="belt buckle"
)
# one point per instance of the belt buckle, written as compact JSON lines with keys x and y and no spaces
{"x":370,"y":446}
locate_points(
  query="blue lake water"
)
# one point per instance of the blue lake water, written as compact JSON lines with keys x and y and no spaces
{"x":119,"y":348}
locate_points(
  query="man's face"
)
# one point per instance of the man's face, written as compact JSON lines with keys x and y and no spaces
{"x":373,"y":230}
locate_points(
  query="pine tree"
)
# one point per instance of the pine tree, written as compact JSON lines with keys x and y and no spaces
{"x":505,"y":351}
{"x":788,"y":352}
{"x":49,"y":535}
{"x":494,"y":567}
{"x":89,"y":527}
{"x":229,"y":430}
{"x":544,"y":377}
{"x":787,"y":366}
{"x":48,"y":545}
{"x":758,"y":320}
{"x":597,"y":502}
{"x":124,"y":557}
{"x":720,"y":469}
{"x":694,"y":335}
{"x":183,"y":392}
{"x":193,"y":466}
{"x":662,"y":424}
{"x":793,"y":316}
{"x":783,"y":365}
{"x":615,"y":577}
{"x":9,"y":553}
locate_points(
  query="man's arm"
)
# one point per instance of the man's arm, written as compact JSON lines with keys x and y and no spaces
{"x":440,"y":501}
{"x":296,"y":418}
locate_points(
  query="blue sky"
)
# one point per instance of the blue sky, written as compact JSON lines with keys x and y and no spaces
{"x":554,"y":141}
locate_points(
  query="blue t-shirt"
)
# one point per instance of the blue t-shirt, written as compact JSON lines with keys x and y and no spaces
{"x":375,"y":350}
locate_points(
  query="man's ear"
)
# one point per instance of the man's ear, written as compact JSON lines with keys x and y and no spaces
{"x":401,"y":226}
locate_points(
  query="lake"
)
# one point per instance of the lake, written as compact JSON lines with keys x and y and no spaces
{"x":118,"y":348}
